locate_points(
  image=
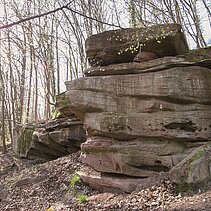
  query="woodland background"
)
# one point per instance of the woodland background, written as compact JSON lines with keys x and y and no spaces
{"x":38,"y":55}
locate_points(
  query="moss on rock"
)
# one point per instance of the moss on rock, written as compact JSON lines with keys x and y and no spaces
{"x":62,"y":109}
{"x":25,"y":139}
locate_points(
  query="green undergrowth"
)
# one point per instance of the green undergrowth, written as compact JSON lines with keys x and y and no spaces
{"x":75,"y":184}
{"x":82,"y":198}
{"x":75,"y":180}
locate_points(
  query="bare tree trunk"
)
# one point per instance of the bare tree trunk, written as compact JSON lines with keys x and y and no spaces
{"x":3,"y":134}
{"x":57,"y":60}
{"x":2,"y":89}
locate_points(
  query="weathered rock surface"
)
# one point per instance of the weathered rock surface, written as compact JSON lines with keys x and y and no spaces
{"x":121,"y":46}
{"x":62,"y":109}
{"x":150,"y":66}
{"x":190,"y":125}
{"x":143,"y":124}
{"x":111,"y":183}
{"x":175,"y":89}
{"x":144,"y":56}
{"x":50,"y":139}
{"x":195,"y":168}
{"x":138,"y":158}
{"x":146,"y":118}
{"x":198,"y":57}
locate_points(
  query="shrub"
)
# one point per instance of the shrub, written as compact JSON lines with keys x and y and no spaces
{"x":75,"y":180}
{"x":82,"y":198}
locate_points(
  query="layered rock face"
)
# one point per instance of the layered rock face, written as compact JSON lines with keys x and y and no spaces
{"x":145,"y":116}
{"x":54,"y":138}
{"x":50,"y":139}
{"x":121,"y":46}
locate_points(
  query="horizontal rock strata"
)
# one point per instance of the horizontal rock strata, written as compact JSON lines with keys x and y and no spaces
{"x":144,"y":118}
{"x":121,"y":46}
{"x":199,"y":57}
{"x":113,"y":183}
{"x":134,"y":93}
{"x":143,"y":124}
{"x":190,"y":125}
{"x":139,"y":157}
{"x":50,"y":140}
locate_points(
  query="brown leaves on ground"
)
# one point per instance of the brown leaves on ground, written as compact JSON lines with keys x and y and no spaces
{"x":28,"y":186}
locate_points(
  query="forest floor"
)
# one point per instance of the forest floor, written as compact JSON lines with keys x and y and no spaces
{"x":29,"y":186}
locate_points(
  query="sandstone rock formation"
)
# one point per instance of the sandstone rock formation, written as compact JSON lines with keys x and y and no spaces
{"x":144,"y":56}
{"x":145,"y":118}
{"x":121,"y":46}
{"x":195,"y":168}
{"x":110,"y":183}
{"x":62,"y":109}
{"x":53,"y":138}
{"x":198,"y":57}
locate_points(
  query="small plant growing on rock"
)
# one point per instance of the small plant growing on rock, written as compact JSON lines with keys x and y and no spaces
{"x":75,"y":180}
{"x":82,"y":198}
{"x":75,"y":183}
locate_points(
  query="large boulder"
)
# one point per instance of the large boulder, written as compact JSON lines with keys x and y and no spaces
{"x":195,"y":168}
{"x":122,"y":46}
{"x":176,"y":89}
{"x":142,"y":124}
{"x":145,"y":118}
{"x":50,"y":139}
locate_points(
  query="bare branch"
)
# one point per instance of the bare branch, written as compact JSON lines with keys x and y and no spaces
{"x":54,"y":11}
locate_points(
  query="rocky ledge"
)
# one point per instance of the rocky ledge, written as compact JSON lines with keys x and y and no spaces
{"x":50,"y":139}
{"x":144,"y":117}
{"x":123,"y":46}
